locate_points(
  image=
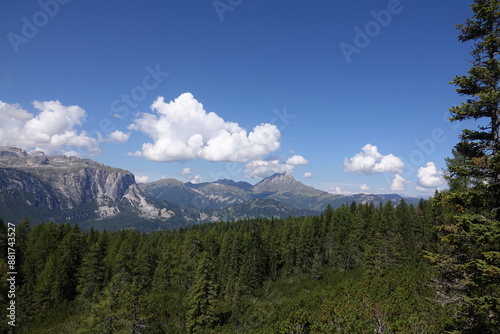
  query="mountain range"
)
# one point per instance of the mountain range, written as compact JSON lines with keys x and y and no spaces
{"x":61,"y":188}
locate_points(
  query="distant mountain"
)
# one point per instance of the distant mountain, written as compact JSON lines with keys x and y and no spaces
{"x":241,"y":184}
{"x":170,"y":190}
{"x":207,"y":196}
{"x":260,"y":208}
{"x":229,"y":199}
{"x":83,"y":191}
{"x":284,"y":183}
{"x":70,"y":189}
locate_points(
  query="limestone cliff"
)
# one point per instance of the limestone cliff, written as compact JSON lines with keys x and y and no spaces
{"x":69,"y":183}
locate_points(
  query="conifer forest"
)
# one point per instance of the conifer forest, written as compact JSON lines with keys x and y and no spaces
{"x":433,"y":267}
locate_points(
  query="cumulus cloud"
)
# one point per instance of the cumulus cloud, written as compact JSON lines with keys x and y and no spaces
{"x":425,"y":191}
{"x":307,"y":175}
{"x":53,"y":129}
{"x":195,"y":179}
{"x":370,"y":161}
{"x":340,"y":191}
{"x":183,"y":130}
{"x":142,"y":179}
{"x":297,"y":160}
{"x":399,"y":182}
{"x":118,"y":137}
{"x":429,"y":177}
{"x":186,"y":171}
{"x":364,"y":187}
{"x":262,"y":168}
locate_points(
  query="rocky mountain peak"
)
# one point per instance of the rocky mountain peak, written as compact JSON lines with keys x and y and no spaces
{"x":36,"y":153}
{"x":278,"y":183}
{"x":241,"y":184}
{"x":67,"y":183}
{"x":11,"y":152}
{"x":279,"y":177}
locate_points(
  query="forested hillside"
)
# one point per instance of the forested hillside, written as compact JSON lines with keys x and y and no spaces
{"x":355,"y":269}
{"x":433,"y":267}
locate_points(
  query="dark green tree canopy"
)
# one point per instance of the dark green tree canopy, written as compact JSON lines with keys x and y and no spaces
{"x":480,"y":148}
{"x":468,"y":257}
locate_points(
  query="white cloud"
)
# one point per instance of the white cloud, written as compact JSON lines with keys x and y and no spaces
{"x":307,"y":175}
{"x":135,"y":154}
{"x":142,"y":179}
{"x":297,"y":160}
{"x":186,"y":171}
{"x":364,"y":187}
{"x":71,"y":154}
{"x":118,"y":137}
{"x":182,"y":130}
{"x":427,"y":191}
{"x":196,"y":179}
{"x":262,"y":168}
{"x":53,"y":129}
{"x":429,"y":177}
{"x":398,"y":184}
{"x":370,"y":161}
{"x":340,"y":191}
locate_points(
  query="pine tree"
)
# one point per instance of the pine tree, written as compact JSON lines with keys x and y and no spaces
{"x":253,"y":269}
{"x":146,"y":261}
{"x":58,"y":280}
{"x":305,"y":250}
{"x":375,"y":257}
{"x":479,"y":150}
{"x":468,"y":257}
{"x":289,"y":243}
{"x":92,"y":272}
{"x":23,"y":230}
{"x":201,"y":314}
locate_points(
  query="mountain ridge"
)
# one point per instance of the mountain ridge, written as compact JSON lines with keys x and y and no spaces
{"x":87,"y":192}
{"x":280,"y":187}
{"x":72,"y":189}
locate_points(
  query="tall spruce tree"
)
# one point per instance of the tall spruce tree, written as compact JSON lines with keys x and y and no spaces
{"x":468,"y":257}
{"x":201,"y":316}
{"x":477,"y":156}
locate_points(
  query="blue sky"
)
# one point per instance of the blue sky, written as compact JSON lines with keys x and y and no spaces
{"x":347,"y":96}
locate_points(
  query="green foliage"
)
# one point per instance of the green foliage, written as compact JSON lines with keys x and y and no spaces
{"x":201,"y":315}
{"x":353,"y":269}
{"x":475,"y":166}
{"x":467,"y":255}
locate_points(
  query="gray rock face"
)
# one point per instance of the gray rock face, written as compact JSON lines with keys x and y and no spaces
{"x":12,"y":181}
{"x":207,"y":196}
{"x":65,"y":183}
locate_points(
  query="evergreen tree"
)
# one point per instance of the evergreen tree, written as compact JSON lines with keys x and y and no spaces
{"x":375,"y":259}
{"x":272,"y":238}
{"x":146,"y":261}
{"x":479,"y":150}
{"x":108,"y":314}
{"x":58,"y":280}
{"x":289,"y":241}
{"x":201,"y":316}
{"x":468,"y":256}
{"x":23,"y":230}
{"x":92,"y":272}
{"x":305,"y":249}
{"x":253,"y":268}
